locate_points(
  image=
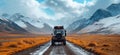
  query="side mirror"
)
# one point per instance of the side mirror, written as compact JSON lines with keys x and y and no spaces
{"x":65,"y":30}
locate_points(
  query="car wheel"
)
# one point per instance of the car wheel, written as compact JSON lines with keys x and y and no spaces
{"x":53,"y":43}
{"x":64,"y":43}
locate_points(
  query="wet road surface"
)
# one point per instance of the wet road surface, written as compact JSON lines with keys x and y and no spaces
{"x":59,"y":49}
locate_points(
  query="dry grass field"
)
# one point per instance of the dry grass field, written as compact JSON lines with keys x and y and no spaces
{"x":101,"y":44}
{"x":11,"y":45}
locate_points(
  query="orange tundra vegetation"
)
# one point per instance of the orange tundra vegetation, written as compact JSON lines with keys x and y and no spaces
{"x":100,"y":44}
{"x":9,"y":46}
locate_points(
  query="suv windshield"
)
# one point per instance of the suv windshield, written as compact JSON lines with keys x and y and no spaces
{"x":59,"y":31}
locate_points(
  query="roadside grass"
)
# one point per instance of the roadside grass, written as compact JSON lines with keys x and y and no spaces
{"x":100,"y":44}
{"x":12,"y":45}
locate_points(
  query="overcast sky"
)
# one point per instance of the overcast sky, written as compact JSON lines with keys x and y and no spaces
{"x":55,"y":12}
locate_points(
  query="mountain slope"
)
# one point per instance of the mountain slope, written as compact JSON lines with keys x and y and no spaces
{"x":110,"y":27}
{"x":114,"y":9}
{"x":17,"y":17}
{"x":44,"y":30}
{"x":78,"y":25}
{"x":32,"y":25}
{"x":9,"y":26}
{"x":100,"y":14}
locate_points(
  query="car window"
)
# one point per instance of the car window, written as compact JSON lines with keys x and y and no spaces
{"x":58,"y":31}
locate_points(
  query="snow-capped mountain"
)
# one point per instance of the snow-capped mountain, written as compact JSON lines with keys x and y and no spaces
{"x":46,"y":29}
{"x":78,"y":25}
{"x":74,"y":26}
{"x":17,"y":17}
{"x":112,"y":26}
{"x":114,"y":9}
{"x":32,"y":25}
{"x":98,"y":15}
{"x":30,"y":28}
{"x":5,"y":15}
{"x":10,"y":27}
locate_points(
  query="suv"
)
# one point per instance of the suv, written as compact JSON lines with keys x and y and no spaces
{"x":58,"y":35}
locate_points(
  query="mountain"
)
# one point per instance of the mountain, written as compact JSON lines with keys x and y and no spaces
{"x":110,"y":11}
{"x":10,"y":27}
{"x":32,"y":25}
{"x":112,"y":26}
{"x":17,"y":18}
{"x":5,"y":15}
{"x":79,"y":24}
{"x":100,"y":14}
{"x":114,"y":9}
{"x":46,"y":29}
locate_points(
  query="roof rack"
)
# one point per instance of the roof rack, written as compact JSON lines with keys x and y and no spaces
{"x":58,"y":27}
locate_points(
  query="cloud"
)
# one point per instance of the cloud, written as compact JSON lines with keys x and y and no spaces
{"x":26,"y":7}
{"x":116,"y":1}
{"x":66,"y":11}
{"x":65,"y":7}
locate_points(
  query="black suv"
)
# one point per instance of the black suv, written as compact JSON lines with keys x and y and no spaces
{"x":58,"y":35}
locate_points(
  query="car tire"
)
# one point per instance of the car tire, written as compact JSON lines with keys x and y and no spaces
{"x":64,"y":43}
{"x":52,"y":43}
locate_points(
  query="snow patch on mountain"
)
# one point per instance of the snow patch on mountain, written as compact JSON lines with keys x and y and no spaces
{"x":109,"y":25}
{"x":10,"y":27}
{"x":32,"y":25}
{"x":100,"y":14}
{"x":80,"y":24}
{"x":34,"y":21}
{"x":75,"y":25}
